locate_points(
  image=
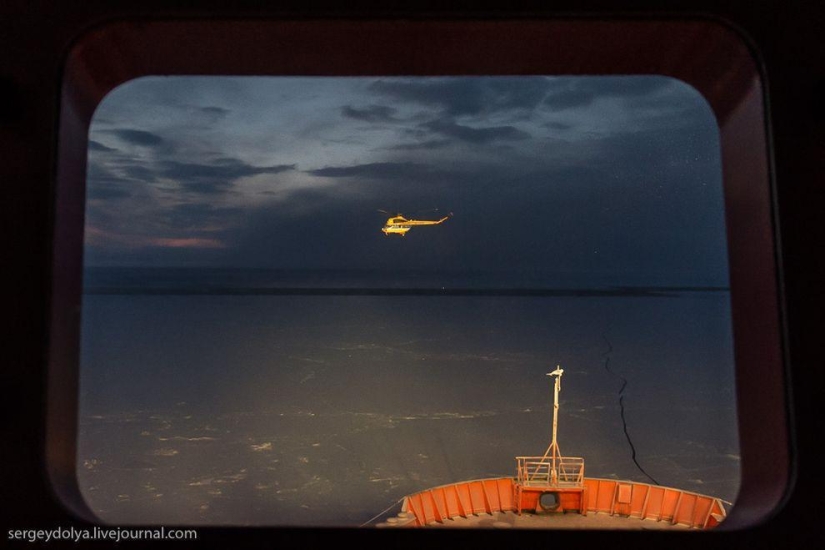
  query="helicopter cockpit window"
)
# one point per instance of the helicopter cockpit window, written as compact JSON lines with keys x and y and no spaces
{"x":352,"y":290}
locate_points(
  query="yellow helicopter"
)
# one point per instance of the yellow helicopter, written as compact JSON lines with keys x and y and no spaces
{"x":399,"y":225}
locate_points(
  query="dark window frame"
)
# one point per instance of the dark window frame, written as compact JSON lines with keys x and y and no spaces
{"x":710,"y":56}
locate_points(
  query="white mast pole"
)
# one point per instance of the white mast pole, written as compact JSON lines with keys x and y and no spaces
{"x":554,"y":445}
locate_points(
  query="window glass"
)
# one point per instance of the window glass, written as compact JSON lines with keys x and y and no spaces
{"x":257,"y":351}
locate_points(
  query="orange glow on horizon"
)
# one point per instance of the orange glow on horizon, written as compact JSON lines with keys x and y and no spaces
{"x":98,"y":237}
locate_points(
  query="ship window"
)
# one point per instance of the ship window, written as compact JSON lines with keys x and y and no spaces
{"x":221,"y":236}
{"x":209,"y":197}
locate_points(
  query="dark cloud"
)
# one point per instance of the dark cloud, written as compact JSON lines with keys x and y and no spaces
{"x":104,"y":184}
{"x":567,"y":99}
{"x":201,"y":178}
{"x":373,"y":170}
{"x":458,"y":96}
{"x":215,"y":111}
{"x":557,"y":125}
{"x":215,"y":178}
{"x":524,"y":93}
{"x":225,"y":169}
{"x":625,"y":86}
{"x":476,"y":135}
{"x":565,"y":93}
{"x":96,"y":172}
{"x":104,"y":192}
{"x":427,"y":145}
{"x":138,"y":172}
{"x":374,"y":113}
{"x":194,"y":216}
{"x":99,"y":147}
{"x":206,"y":186}
{"x":138,"y":137}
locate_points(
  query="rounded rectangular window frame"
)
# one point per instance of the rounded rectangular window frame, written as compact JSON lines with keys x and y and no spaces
{"x":706,"y":54}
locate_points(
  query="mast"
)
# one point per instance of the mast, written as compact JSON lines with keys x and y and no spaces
{"x":553,"y":449}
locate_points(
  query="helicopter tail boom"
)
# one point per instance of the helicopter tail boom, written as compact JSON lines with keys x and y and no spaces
{"x":426,"y":222}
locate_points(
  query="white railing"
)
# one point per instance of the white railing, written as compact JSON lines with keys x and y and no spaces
{"x":536,"y":471}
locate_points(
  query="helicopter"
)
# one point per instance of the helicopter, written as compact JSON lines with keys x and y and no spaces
{"x":399,"y":225}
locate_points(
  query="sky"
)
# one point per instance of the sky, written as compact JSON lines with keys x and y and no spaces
{"x":617,"y":178}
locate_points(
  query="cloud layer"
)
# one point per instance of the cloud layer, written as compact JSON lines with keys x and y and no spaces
{"x":618,"y":176}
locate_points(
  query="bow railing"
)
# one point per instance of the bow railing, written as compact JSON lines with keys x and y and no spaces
{"x":537,"y":471}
